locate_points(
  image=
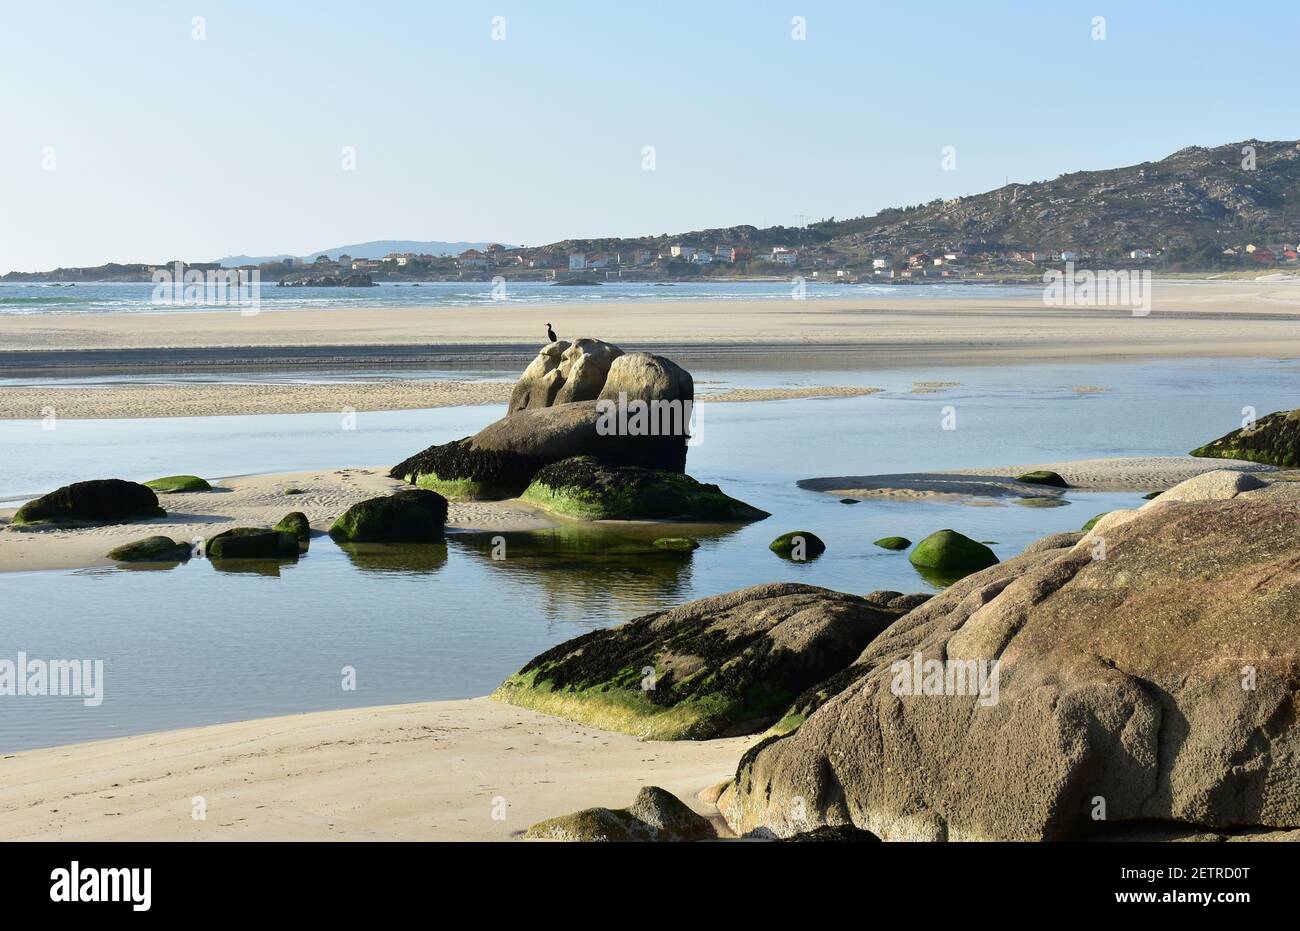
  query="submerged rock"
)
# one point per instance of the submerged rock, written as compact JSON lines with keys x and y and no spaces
{"x":719,"y":666}
{"x":152,"y":549}
{"x":178,"y":484}
{"x":1273,"y":440}
{"x":586,"y":488}
{"x":677,"y":543}
{"x":1160,"y":681}
{"x":100,"y":501}
{"x":797,"y":545}
{"x":893,"y":543}
{"x":655,"y":815}
{"x":951,"y":555}
{"x":410,"y":516}
{"x":252,"y":543}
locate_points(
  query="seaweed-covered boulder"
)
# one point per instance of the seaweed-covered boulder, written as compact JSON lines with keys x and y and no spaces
{"x":1156,"y":686}
{"x":251,"y":543}
{"x":179,"y":484}
{"x":892,"y":543}
{"x":798,"y":545}
{"x":587,"y":488}
{"x":99,"y":501}
{"x":949,"y":555}
{"x":685,"y":544}
{"x":413,"y":515}
{"x":1273,"y":440}
{"x":643,"y":376}
{"x":655,"y":815}
{"x":152,"y":549}
{"x":562,"y":373}
{"x":724,"y":665}
{"x":501,"y":459}
{"x":297,"y":524}
{"x":1043,"y":477}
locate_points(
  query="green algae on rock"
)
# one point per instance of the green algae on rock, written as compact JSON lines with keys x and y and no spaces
{"x":460,"y":471}
{"x":715,"y":667}
{"x":892,"y":543}
{"x":587,"y":488}
{"x":655,"y":815}
{"x":178,"y":484}
{"x":99,"y":501}
{"x":797,"y":545}
{"x":295,"y":522}
{"x":686,"y":544}
{"x":410,"y":516}
{"x":252,"y":543}
{"x":152,"y":549}
{"x":950,"y":555}
{"x":1273,"y":440}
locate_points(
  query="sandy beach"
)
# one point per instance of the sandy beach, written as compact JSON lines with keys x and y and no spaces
{"x":1188,"y":318}
{"x":78,"y":402}
{"x":254,"y":500}
{"x":429,"y":771}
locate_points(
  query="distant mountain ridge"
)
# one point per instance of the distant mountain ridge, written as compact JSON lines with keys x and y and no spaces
{"x":376,"y":249}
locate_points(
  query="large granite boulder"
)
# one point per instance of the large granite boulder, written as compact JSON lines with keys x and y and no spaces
{"x":1273,"y":439}
{"x":100,"y":501}
{"x":562,"y":373}
{"x":413,"y":515}
{"x":642,"y":376}
{"x":1147,"y":674}
{"x":501,"y":460}
{"x":587,"y":488}
{"x":724,"y":665}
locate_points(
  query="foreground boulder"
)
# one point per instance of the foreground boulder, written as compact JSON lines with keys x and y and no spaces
{"x":252,"y":543}
{"x":100,"y":501}
{"x":501,"y":460}
{"x":562,"y":373}
{"x":643,"y":376}
{"x":410,"y":516}
{"x":1273,"y":440}
{"x":949,"y":555}
{"x":179,"y":484}
{"x":152,"y":549}
{"x":587,"y":488}
{"x":719,"y":666}
{"x":655,"y":815}
{"x":1156,"y":685}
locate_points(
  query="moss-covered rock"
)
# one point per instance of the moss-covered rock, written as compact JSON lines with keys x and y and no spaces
{"x":951,"y":555}
{"x":295,"y":522}
{"x":1043,"y":477}
{"x":410,"y":516}
{"x":152,"y":549}
{"x":462,"y":472}
{"x":797,"y":545}
{"x":655,"y":815}
{"x":685,"y":544}
{"x":100,"y":501}
{"x":1092,"y":522}
{"x":177,"y":484}
{"x":892,"y":543}
{"x":718,"y":666}
{"x":589,"y":489}
{"x":1273,"y":440}
{"x":252,"y":543}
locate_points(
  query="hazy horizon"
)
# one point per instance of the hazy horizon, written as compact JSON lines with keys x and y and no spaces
{"x":145,"y":134}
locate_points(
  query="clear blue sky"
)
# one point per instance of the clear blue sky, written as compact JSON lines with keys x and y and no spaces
{"x":167,"y":147}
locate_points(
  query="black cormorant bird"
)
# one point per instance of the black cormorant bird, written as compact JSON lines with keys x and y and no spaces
{"x":551,"y":333}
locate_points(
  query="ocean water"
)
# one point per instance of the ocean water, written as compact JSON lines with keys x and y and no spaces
{"x":194,"y":644}
{"x":137,"y":297}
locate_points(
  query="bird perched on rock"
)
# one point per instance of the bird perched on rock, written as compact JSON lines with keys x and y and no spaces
{"x":550,"y":334}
